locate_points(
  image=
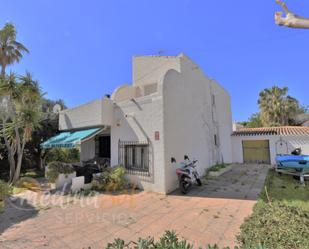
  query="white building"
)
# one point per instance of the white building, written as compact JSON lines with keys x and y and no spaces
{"x":171,"y":109}
{"x":261,"y":145}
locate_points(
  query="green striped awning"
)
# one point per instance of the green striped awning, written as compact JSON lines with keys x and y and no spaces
{"x":69,"y":139}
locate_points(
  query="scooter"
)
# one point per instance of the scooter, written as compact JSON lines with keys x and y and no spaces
{"x":188,"y":175}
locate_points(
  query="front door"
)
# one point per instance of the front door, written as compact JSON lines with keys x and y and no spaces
{"x":104,"y":147}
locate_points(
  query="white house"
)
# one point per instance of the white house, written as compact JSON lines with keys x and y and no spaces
{"x":171,"y":109}
{"x":261,"y":145}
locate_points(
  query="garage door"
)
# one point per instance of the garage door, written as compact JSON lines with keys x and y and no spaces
{"x":256,"y":151}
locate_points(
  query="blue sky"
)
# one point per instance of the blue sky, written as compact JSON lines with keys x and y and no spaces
{"x":81,"y":49}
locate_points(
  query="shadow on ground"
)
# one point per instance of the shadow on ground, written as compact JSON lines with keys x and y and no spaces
{"x":243,"y":182}
{"x":15,"y":211}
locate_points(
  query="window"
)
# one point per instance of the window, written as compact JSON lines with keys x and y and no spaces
{"x":213,"y":99}
{"x":216,"y":140}
{"x":134,"y":156}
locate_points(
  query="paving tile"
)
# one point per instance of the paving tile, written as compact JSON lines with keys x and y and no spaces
{"x":211,"y":214}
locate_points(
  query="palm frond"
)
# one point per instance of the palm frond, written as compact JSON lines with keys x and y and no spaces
{"x":11,"y":50}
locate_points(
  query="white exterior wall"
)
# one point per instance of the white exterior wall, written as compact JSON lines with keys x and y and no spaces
{"x":149,"y":69}
{"x":299,"y":142}
{"x":137,"y":122}
{"x":289,"y":143}
{"x":87,"y":150}
{"x":126,"y":92}
{"x":188,"y":124}
{"x":95,"y":113}
{"x":181,"y":110}
{"x":223,"y":121}
{"x":87,"y":147}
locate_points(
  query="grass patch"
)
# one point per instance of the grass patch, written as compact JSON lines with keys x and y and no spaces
{"x":16,"y":190}
{"x":281,"y":223}
{"x":1,"y":206}
{"x":218,"y":167}
{"x":34,"y":173}
{"x":4,"y":191}
{"x":287,"y":190}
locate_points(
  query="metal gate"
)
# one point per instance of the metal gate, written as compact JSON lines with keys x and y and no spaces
{"x":256,"y":151}
{"x":134,"y":156}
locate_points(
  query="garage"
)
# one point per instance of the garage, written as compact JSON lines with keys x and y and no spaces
{"x":262,"y":145}
{"x":256,"y":151}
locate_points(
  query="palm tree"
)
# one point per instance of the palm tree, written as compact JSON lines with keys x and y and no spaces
{"x":8,"y":92}
{"x":276,"y":107}
{"x":11,"y":51}
{"x":271,"y":105}
{"x":20,"y":119}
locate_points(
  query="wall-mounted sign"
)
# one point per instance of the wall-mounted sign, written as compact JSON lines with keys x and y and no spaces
{"x":157,"y":135}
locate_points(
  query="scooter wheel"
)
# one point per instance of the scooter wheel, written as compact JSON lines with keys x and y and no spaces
{"x":199,"y":182}
{"x":183,"y":185}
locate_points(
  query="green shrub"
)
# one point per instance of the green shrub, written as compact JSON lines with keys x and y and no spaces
{"x":218,"y":167}
{"x":111,"y":179}
{"x":63,"y":155}
{"x":283,"y":223}
{"x":276,"y":226}
{"x":56,"y":168}
{"x":169,"y":240}
{"x":4,"y":190}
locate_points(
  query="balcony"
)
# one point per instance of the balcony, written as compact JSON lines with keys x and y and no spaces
{"x":93,"y":114}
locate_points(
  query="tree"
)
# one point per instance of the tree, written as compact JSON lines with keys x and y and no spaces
{"x":291,"y":20}
{"x":48,"y":127}
{"x":253,"y":122}
{"x":276,"y":107}
{"x":20,"y":103}
{"x":11,"y":51}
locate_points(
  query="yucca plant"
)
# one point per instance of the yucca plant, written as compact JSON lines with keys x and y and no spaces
{"x":20,"y":115}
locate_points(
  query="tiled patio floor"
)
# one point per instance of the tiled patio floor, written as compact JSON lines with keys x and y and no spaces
{"x":209,"y":214}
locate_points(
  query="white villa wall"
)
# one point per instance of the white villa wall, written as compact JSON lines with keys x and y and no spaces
{"x":275,"y":146}
{"x":299,"y":142}
{"x":188,"y":125}
{"x":94,"y":113}
{"x":126,"y":92}
{"x":178,"y":105}
{"x":223,"y":122}
{"x":137,"y":122}
{"x":148,"y":69}
{"x":87,"y":150}
{"x":87,"y":147}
